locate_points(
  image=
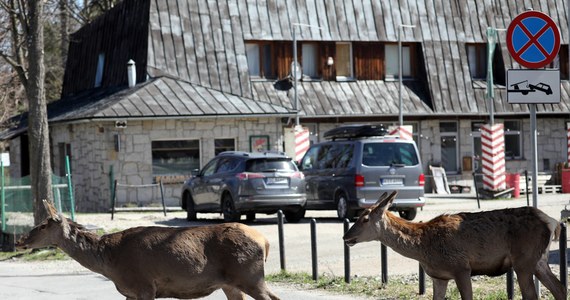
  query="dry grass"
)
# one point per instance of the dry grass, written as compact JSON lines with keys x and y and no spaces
{"x":400,"y":287}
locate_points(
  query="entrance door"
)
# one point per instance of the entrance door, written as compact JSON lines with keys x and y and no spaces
{"x":449,"y":147}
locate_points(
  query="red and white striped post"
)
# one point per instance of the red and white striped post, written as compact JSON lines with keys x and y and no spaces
{"x":493,"y":157}
{"x":568,"y":138}
{"x":302,"y":142}
{"x":404,"y":132}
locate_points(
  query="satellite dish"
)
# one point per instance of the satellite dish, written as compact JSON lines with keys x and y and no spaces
{"x":299,"y":70}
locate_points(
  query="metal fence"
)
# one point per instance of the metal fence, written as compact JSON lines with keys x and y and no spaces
{"x":563,"y":260}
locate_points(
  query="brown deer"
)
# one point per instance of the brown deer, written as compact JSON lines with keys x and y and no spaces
{"x":457,"y":246}
{"x":161,"y":262}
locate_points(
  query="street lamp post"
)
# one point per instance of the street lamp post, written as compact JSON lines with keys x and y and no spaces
{"x":296,"y":68}
{"x":401,"y":114}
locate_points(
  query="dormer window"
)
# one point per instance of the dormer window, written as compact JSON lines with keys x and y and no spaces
{"x":391,"y":62}
{"x":100,"y":68}
{"x":310,"y":59}
{"x":260,"y":60}
{"x":477,"y":57}
{"x":343,"y":62}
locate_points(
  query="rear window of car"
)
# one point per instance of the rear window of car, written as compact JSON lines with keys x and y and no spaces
{"x":387,"y":154}
{"x":270,"y":165}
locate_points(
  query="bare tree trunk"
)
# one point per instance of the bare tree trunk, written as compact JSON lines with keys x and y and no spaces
{"x":64,"y":28}
{"x":38,"y":120}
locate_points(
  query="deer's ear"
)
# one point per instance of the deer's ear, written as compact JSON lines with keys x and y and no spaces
{"x":52,"y":212}
{"x":384,"y":202}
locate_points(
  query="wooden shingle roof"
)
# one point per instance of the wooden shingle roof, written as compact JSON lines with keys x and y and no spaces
{"x":162,"y":97}
{"x":204,"y":42}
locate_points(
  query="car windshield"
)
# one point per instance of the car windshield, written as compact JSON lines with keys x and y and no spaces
{"x":389,"y":154}
{"x":270,"y":165}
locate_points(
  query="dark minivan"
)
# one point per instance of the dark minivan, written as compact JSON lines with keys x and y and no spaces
{"x":359,"y":163}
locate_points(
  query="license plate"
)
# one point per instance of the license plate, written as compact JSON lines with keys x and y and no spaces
{"x":392,"y":181}
{"x":276,"y":180}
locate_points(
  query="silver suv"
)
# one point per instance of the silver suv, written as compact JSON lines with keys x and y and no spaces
{"x":358,"y":164}
{"x":242,"y":183}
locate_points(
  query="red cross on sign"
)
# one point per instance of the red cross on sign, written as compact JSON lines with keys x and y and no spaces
{"x":533,"y":39}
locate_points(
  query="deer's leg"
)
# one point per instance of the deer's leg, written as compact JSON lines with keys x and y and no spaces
{"x":260,"y":291}
{"x":233,"y":293}
{"x":463,"y":281}
{"x":545,"y":275}
{"x":439,"y":288}
{"x":526,"y":283}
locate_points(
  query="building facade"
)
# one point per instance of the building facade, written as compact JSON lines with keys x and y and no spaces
{"x":213,"y":76}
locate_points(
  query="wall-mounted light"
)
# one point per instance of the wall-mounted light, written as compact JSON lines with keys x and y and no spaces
{"x":121,"y":124}
{"x":330,"y":61}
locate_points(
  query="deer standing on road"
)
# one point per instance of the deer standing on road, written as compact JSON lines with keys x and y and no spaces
{"x":160,"y":262}
{"x":460,"y":245}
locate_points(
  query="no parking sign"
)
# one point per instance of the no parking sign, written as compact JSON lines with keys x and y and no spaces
{"x":533,"y":39}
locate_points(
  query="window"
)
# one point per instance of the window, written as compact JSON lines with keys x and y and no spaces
{"x":221,"y":145}
{"x":387,"y":154}
{"x":391,"y":61}
{"x":477,"y":57}
{"x":344,"y":61}
{"x":449,"y":146}
{"x":513,"y":140}
{"x":310,"y":59}
{"x":100,"y":68}
{"x":175,"y":157}
{"x":259,"y":60}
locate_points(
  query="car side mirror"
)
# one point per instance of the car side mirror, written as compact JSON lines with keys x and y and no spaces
{"x":195,"y":172}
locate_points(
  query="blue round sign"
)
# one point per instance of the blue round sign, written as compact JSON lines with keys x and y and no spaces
{"x":533,"y":39}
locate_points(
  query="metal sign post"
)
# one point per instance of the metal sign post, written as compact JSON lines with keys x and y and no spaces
{"x":533,"y":40}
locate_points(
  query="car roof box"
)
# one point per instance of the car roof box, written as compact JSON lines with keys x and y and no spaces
{"x":355,"y":131}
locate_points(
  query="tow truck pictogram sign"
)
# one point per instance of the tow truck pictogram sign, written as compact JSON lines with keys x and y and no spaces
{"x":533,"y":86}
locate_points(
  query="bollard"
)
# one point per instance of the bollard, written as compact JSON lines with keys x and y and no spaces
{"x":314,"y":249}
{"x":422,"y":278}
{"x":563,"y":258}
{"x":281,"y":239}
{"x":346,"y":254}
{"x":510,"y":284}
{"x":384,"y":259}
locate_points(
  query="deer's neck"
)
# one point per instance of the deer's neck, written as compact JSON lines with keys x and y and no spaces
{"x":84,"y":247}
{"x":402,"y":236}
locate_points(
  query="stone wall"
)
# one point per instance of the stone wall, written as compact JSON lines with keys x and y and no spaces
{"x":94,"y":155}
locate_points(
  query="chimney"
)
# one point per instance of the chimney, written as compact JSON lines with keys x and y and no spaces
{"x":131,"y":73}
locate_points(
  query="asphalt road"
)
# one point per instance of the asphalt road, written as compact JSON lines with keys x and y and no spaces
{"x":46,"y":281}
{"x":68,"y":280}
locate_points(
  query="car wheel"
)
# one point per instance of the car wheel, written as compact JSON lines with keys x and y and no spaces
{"x":190,"y":209}
{"x":408,"y":214}
{"x":294,"y":216}
{"x":229,"y":210}
{"x":250,"y":217}
{"x":342,"y":210}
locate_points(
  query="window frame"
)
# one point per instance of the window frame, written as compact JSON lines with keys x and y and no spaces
{"x":351,"y":62}
{"x":262,"y":60}
{"x":408,"y":73}
{"x":317,"y":59}
{"x":221,"y":148}
{"x":477,"y":68}
{"x":196,"y":147}
{"x":518,"y":133}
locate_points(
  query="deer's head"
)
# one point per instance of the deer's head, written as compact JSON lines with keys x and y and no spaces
{"x":47,"y":233}
{"x":367,"y":227}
